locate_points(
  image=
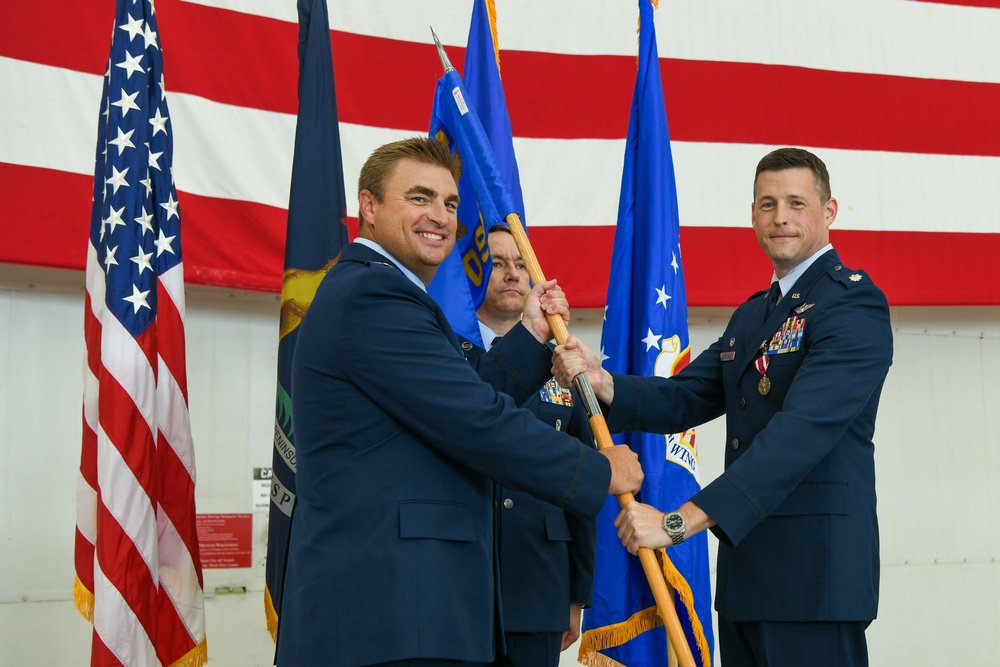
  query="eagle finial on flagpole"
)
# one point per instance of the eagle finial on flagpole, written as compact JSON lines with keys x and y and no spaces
{"x":444,"y":56}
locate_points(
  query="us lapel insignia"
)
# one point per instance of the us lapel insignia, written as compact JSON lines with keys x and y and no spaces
{"x":796,"y":295}
{"x":803,"y":308}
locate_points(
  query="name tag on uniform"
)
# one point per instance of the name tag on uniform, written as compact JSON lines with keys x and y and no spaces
{"x":727,"y":356}
{"x":553,"y":392}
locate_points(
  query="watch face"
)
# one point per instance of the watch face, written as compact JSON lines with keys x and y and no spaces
{"x":673,"y":522}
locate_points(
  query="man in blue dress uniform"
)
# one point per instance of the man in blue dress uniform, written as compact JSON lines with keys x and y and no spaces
{"x":546,"y":554}
{"x":391,"y":555}
{"x":798,"y":373}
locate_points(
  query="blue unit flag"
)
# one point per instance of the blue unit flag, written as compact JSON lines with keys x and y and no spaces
{"x":490,"y":187}
{"x":645,"y":333}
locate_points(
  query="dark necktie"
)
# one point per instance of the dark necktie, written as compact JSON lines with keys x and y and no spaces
{"x":773,"y":297}
{"x":496,"y":340}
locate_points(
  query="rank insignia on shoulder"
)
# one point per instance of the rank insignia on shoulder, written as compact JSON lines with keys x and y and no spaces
{"x":803,"y":308}
{"x":789,"y":337}
{"x":855,"y":277}
{"x":552,"y":392}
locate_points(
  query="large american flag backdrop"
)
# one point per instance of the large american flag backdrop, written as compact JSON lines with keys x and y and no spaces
{"x":900,"y":97}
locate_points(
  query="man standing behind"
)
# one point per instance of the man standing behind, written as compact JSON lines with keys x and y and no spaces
{"x":546,"y":554}
{"x":390,"y":559}
{"x":798,"y":373}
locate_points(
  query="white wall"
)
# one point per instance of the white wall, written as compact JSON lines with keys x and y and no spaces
{"x":938,"y":464}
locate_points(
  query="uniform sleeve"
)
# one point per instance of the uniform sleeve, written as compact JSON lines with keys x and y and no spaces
{"x":517,"y":365}
{"x":829,"y":404}
{"x":408,"y":364}
{"x":583,"y":529}
{"x":669,"y":405}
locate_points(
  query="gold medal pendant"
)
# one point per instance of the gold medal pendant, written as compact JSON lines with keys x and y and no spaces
{"x":764,"y":386}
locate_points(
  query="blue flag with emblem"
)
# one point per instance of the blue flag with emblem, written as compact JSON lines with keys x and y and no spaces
{"x":315,"y":236}
{"x":645,"y":333}
{"x":459,"y":285}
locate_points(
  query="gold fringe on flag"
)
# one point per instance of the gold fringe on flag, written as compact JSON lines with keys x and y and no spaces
{"x":84,"y":600}
{"x":681,"y":587}
{"x":610,"y":636}
{"x":638,"y":24}
{"x":270,"y":615}
{"x":196,"y":657}
{"x":599,"y":660}
{"x":491,"y":12}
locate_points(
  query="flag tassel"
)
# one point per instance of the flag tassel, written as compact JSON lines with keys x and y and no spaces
{"x":84,"y":600}
{"x":196,"y":657}
{"x":617,"y":634}
{"x":270,"y":614}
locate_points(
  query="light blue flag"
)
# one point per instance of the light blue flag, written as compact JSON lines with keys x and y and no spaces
{"x":645,"y":333}
{"x":459,"y":285}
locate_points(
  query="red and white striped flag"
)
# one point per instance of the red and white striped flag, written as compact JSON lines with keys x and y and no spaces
{"x":899,"y":98}
{"x":137,"y":562}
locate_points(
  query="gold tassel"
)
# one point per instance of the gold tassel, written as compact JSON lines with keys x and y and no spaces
{"x":491,"y":12}
{"x":680,"y":585}
{"x":598,"y":660}
{"x":84,"y":600}
{"x":196,"y":657}
{"x":271,"y":615}
{"x":609,"y":636}
{"x":617,"y":634}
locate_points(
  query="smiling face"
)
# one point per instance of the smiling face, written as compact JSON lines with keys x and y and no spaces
{"x":508,"y":287}
{"x":416,"y":220}
{"x":789,"y":216}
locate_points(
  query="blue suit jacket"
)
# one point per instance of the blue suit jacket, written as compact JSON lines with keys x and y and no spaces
{"x":795,"y":506}
{"x":546,"y":554}
{"x":391,"y":548}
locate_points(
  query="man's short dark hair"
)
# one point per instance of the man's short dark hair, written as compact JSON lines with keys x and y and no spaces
{"x":383,"y":159}
{"x":794,"y":158}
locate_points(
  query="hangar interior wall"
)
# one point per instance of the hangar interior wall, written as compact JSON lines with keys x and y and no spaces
{"x":938,"y":458}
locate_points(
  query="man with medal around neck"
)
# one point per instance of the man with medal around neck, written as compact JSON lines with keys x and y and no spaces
{"x":799,"y":381}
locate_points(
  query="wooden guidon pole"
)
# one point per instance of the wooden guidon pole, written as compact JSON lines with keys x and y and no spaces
{"x":654,"y":575}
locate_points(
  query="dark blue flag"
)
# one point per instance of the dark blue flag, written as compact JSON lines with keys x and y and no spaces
{"x":459,"y":285}
{"x":316,"y":234}
{"x":645,"y":333}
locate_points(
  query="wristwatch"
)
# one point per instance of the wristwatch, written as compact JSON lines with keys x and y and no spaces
{"x":675,"y":525}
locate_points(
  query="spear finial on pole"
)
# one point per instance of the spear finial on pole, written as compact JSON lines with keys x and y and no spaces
{"x":444,"y":56}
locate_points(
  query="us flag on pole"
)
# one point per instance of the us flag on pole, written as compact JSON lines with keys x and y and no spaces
{"x":138,"y":569}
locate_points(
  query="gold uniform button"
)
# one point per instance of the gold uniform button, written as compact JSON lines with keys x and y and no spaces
{"x":736,"y":443}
